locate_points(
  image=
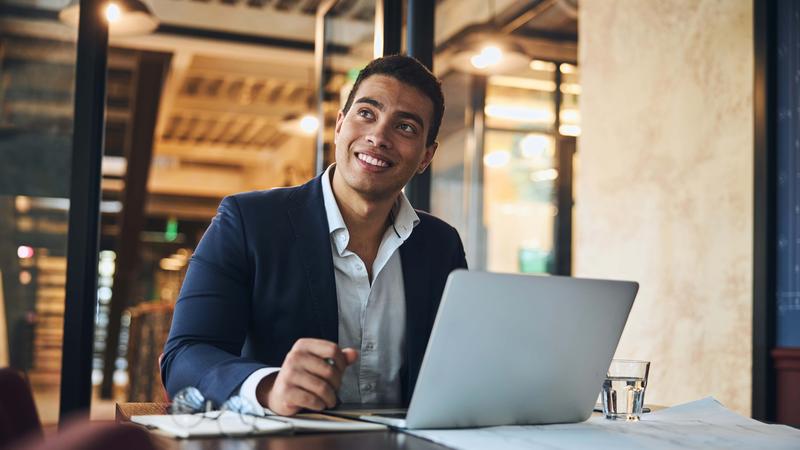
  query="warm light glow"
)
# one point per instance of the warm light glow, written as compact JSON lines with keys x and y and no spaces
{"x":544,"y":175}
{"x":309,"y":124}
{"x":543,"y":66}
{"x":518,"y":113}
{"x":113,"y":13}
{"x":523,"y":83}
{"x":569,"y":130}
{"x":497,"y":159}
{"x":24,"y":252}
{"x":25,"y":277}
{"x":534,"y":145}
{"x":567,"y":68}
{"x":570,"y":115}
{"x":489,"y":56}
{"x":170,"y":264}
{"x":22,"y":203}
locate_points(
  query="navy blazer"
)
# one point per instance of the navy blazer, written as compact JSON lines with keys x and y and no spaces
{"x":262,"y":277}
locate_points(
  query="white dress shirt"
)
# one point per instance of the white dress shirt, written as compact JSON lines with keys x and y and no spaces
{"x":372,"y":316}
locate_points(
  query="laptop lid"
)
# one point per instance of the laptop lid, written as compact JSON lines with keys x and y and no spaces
{"x":518,"y":349}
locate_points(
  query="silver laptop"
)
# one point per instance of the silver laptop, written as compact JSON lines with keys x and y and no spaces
{"x":515,"y":349}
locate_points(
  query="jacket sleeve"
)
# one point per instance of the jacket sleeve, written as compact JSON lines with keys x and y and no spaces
{"x":459,"y":258}
{"x":212,"y":313}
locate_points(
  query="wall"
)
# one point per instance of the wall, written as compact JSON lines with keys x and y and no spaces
{"x":664,"y":185}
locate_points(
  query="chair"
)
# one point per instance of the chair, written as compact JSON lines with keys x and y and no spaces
{"x":149,"y":328}
{"x":20,"y":428}
{"x":18,"y":416}
{"x":83,"y":435}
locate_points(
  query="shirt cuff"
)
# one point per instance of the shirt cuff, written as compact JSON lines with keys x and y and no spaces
{"x":248,"y":389}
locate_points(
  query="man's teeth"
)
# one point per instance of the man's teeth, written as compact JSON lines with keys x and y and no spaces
{"x":372,"y":161}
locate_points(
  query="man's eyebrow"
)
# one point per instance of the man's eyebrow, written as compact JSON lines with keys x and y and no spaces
{"x":412,"y":116}
{"x":371,"y":101}
{"x":403,"y":114}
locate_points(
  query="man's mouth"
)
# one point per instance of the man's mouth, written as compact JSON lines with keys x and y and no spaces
{"x":373,"y":161}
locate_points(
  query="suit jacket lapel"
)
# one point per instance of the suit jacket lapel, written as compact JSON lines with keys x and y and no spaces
{"x":419,"y":316}
{"x":310,"y":223}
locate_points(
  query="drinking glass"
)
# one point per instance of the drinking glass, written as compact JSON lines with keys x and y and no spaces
{"x":623,"y":389}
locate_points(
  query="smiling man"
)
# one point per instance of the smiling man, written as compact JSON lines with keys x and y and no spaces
{"x":301,"y":297}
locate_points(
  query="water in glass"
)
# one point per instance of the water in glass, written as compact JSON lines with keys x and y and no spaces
{"x":623,"y":397}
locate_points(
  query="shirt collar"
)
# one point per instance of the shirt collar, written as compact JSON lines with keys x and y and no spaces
{"x":405,"y":218}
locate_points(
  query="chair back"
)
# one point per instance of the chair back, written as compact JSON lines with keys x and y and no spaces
{"x":149,"y":329}
{"x":18,"y":416}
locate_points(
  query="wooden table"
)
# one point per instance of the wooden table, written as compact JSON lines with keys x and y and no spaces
{"x":349,"y":440}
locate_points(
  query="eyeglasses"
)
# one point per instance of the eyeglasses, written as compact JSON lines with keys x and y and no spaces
{"x":236,"y":416}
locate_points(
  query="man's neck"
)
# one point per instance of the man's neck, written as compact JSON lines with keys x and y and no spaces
{"x":366,"y":219}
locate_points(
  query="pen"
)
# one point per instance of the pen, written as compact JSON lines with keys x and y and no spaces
{"x":331,"y":362}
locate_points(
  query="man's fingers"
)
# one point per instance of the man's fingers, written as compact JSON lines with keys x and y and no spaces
{"x":303,"y":399}
{"x":316,"y":386}
{"x":319,"y":347}
{"x":326,"y":350}
{"x":350,"y":355}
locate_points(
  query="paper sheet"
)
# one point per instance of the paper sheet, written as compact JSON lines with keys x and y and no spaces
{"x":311,"y":423}
{"x":205,"y":427}
{"x":233,"y":425}
{"x":702,"y":424}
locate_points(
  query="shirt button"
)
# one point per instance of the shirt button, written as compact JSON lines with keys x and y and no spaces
{"x":369,"y":346}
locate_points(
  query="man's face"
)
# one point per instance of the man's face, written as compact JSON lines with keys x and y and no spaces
{"x":380,"y":142}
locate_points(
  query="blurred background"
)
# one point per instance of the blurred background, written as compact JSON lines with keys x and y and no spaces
{"x":592,"y":138}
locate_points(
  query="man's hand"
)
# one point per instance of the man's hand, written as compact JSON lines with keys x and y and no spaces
{"x":309,"y":377}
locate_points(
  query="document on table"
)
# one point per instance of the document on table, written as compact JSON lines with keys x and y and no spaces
{"x":701,"y":424}
{"x":231,"y":424}
{"x":314,"y":423}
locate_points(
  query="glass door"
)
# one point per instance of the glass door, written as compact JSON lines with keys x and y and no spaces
{"x":37,"y":67}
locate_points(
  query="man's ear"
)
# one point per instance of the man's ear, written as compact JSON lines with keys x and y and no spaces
{"x":426,"y":160}
{"x":339,"y":120}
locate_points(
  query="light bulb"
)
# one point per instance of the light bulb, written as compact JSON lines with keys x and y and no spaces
{"x":113,"y":13}
{"x":489,"y":56}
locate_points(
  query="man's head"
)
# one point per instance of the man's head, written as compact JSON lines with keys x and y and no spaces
{"x":411,"y":72}
{"x":387,"y":130}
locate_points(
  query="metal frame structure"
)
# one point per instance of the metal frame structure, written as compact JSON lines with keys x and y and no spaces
{"x":764,"y":212}
{"x":84,"y":211}
{"x":419,"y":44}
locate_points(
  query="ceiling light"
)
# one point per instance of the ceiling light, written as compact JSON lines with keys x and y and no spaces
{"x":113,"y":13}
{"x":489,"y":56}
{"x":484,"y":50}
{"x":124,"y":17}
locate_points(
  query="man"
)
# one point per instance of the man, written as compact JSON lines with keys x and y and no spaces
{"x":297,"y":295}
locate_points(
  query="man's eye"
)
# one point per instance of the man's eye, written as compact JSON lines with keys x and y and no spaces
{"x":365,"y":113}
{"x":408,"y":128}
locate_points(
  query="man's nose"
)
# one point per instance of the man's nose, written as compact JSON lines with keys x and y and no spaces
{"x":378,"y":135}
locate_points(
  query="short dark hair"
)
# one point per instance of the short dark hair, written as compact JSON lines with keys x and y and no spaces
{"x":411,"y":72}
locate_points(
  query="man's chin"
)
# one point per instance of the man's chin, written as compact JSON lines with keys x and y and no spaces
{"x":375,"y":191}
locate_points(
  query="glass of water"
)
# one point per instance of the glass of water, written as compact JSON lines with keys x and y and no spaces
{"x":623,"y":389}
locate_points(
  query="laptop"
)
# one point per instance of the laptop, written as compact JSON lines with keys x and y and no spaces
{"x":514,"y":349}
